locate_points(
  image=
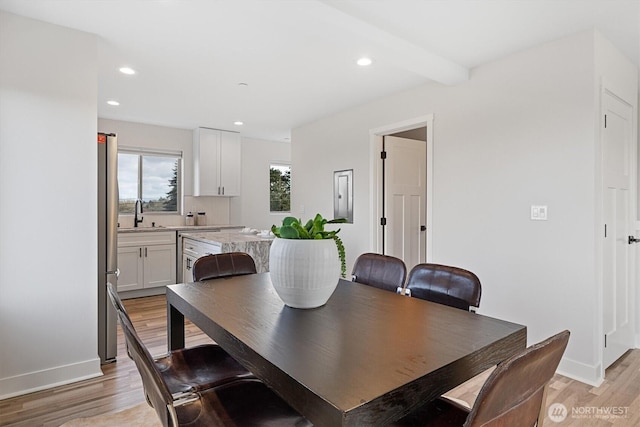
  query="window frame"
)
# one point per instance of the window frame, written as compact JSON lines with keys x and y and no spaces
{"x":141,"y":153}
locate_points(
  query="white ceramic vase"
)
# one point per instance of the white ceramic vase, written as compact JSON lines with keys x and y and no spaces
{"x":304,"y":273}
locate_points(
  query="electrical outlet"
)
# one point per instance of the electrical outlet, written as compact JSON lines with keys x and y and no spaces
{"x":539,"y":212}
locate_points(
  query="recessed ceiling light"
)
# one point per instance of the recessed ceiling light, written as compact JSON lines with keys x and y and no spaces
{"x":364,"y":62}
{"x":238,"y":123}
{"x":113,"y":102}
{"x":127,"y":70}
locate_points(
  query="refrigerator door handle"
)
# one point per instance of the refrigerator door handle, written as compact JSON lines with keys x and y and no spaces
{"x":116,"y":272}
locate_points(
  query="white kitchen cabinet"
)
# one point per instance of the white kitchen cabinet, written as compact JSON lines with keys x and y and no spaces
{"x":191,"y":251}
{"x":131,"y":268}
{"x":216,"y":162}
{"x":209,"y":249}
{"x":146,"y":260}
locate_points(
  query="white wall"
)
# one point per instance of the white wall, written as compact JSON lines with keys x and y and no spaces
{"x":48,"y":193}
{"x":519,"y":132}
{"x":252,"y":207}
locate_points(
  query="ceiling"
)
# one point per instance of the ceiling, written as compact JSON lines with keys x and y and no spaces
{"x":278,"y":64}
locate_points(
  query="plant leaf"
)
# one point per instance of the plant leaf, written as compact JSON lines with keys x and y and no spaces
{"x":337,"y":221}
{"x":302,"y":232}
{"x":289,"y":232}
{"x":289,"y":220}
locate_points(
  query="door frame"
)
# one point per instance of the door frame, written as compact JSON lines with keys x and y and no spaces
{"x":375,"y":178}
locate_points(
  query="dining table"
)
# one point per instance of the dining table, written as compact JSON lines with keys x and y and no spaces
{"x":366,"y":357}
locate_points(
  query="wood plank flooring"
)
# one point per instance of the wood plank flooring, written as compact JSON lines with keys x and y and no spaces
{"x":120,"y":387}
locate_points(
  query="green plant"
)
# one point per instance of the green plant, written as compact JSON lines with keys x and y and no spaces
{"x":292,"y":228}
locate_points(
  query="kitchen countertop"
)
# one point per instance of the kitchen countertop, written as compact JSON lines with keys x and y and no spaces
{"x":223,"y":237}
{"x":178,"y":228}
{"x":257,"y":247}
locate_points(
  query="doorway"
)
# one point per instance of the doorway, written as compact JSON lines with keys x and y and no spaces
{"x":618,"y":177}
{"x":401,"y":197}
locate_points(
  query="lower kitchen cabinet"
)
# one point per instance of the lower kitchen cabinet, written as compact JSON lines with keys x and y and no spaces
{"x":191,"y":251}
{"x":146,"y":260}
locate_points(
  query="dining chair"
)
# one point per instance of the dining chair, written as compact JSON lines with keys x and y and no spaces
{"x":225,"y":264}
{"x":188,"y":369}
{"x":513,"y":395}
{"x":380,"y":271}
{"x":244,"y":402}
{"x":452,"y":286}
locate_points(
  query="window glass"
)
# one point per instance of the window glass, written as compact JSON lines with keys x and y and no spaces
{"x":159,"y":184}
{"x":127,"y":181}
{"x":152,"y":178}
{"x":280,"y":188}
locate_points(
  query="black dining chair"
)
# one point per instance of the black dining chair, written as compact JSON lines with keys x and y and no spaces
{"x":225,"y":264}
{"x":452,"y":286}
{"x":244,"y":402}
{"x":188,"y":369}
{"x":380,"y":271}
{"x":513,"y":395}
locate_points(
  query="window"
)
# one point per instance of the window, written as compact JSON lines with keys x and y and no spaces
{"x":280,"y":188}
{"x":151,"y":176}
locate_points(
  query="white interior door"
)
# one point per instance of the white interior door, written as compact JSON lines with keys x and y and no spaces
{"x":405,"y":199}
{"x":619,"y":217}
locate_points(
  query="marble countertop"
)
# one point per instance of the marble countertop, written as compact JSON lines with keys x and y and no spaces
{"x":189,"y":228}
{"x":221,"y":237}
{"x":229,"y":241}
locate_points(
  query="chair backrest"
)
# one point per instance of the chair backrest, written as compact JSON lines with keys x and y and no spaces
{"x":381,"y":271}
{"x":155,"y":388}
{"x":119,"y":306}
{"x":452,"y":286}
{"x":116,"y":301}
{"x":514,"y":393}
{"x":223,"y":265}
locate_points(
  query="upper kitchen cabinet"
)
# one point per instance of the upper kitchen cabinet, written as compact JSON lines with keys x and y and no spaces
{"x":216,"y":162}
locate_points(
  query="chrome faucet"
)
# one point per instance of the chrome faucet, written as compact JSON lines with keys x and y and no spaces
{"x":137,"y":221}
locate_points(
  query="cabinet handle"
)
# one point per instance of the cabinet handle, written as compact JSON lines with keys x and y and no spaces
{"x":145,"y":252}
{"x":140,"y":252}
{"x":223,"y":191}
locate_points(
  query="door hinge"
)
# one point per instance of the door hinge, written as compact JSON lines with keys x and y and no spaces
{"x":383,"y":221}
{"x":383,"y":155}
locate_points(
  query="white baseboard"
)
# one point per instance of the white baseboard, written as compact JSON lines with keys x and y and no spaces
{"x":588,"y":374}
{"x":48,"y":378}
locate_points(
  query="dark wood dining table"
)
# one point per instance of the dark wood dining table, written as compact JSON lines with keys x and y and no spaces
{"x":367,"y":357}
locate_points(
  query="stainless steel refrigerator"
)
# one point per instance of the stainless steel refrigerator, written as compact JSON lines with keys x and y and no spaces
{"x":107,"y":243}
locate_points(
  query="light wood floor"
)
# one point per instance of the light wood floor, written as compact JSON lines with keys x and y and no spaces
{"x":120,"y":387}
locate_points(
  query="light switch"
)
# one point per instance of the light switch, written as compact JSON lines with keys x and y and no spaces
{"x":539,"y":212}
